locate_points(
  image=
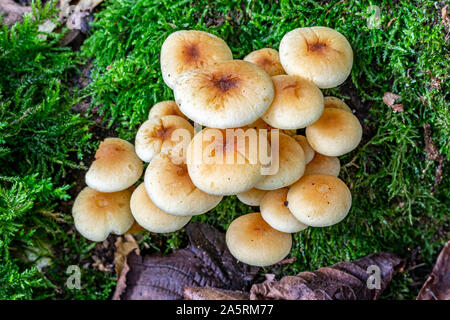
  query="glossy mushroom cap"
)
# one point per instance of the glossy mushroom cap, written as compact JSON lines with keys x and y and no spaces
{"x":97,"y":214}
{"x":162,"y":134}
{"x":224,"y":95}
{"x":221,"y":166}
{"x":333,"y":102}
{"x":186,"y":50}
{"x":171,"y":189}
{"x":251,"y":197}
{"x":274,"y":210}
{"x":116,"y":166}
{"x":320,"y":54}
{"x":151,"y":217}
{"x":337,"y":132}
{"x":165,"y":108}
{"x":253,"y":241}
{"x":319,"y":200}
{"x":297,"y":103}
{"x":323,"y":165}
{"x":268,"y":59}
{"x":291,"y":165}
{"x":303,"y":142}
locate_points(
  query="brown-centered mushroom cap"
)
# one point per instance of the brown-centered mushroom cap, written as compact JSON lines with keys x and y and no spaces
{"x":251,"y":197}
{"x":221,"y":166}
{"x":116,"y":166}
{"x":297,"y":103}
{"x":333,"y":102}
{"x":227,"y":94}
{"x":253,"y":241}
{"x":165,"y":108}
{"x":320,"y":54}
{"x":323,"y":165}
{"x":171,"y":189}
{"x":291,"y":165}
{"x":97,"y":214}
{"x":162,"y":134}
{"x":186,"y":50}
{"x":319,"y":200}
{"x":337,"y":132}
{"x":151,"y":217}
{"x":274,"y":210}
{"x":268,"y":59}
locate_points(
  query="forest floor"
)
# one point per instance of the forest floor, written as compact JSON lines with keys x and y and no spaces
{"x":105,"y":80}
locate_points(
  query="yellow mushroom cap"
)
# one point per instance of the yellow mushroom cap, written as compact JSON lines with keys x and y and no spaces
{"x":333,"y":102}
{"x":323,"y":165}
{"x":297,"y":103}
{"x":227,"y":94}
{"x":291,"y":165}
{"x":275,"y":212}
{"x":171,"y":189}
{"x":151,"y":217}
{"x":219,"y":165}
{"x":303,"y":142}
{"x":116,"y":166}
{"x":186,"y":50}
{"x":97,"y":214}
{"x":320,"y":54}
{"x":268,"y":59}
{"x":165,"y":108}
{"x":337,"y":132}
{"x":162,"y":134}
{"x":319,"y":200}
{"x":251,"y":197}
{"x":253,"y":241}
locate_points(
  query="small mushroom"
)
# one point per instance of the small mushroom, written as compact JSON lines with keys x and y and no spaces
{"x":268,"y":59}
{"x":275,"y":212}
{"x":227,"y":94}
{"x":135,"y":229}
{"x":333,"y":102}
{"x":151,"y":217}
{"x":165,"y":108}
{"x":319,"y":200}
{"x":186,"y":50}
{"x":309,"y":152}
{"x":319,"y":54}
{"x":171,"y":189}
{"x":251,"y":197}
{"x":97,"y":214}
{"x":156,"y":135}
{"x":291,"y":165}
{"x":116,"y":166}
{"x":337,"y":132}
{"x":297,"y":103}
{"x":219,"y":165}
{"x":253,"y":241}
{"x":323,"y":165}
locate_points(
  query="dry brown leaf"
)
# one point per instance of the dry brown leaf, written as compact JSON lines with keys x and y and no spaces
{"x":124,"y":245}
{"x":13,"y":12}
{"x":196,"y":293}
{"x":342,"y":281}
{"x":437,"y":285}
{"x":433,"y":154}
{"x":390,"y":98}
{"x":206,"y":262}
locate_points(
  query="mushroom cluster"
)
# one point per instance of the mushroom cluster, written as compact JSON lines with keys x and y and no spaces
{"x":254,"y":112}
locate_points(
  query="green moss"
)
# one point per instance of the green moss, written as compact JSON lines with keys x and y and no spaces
{"x":389,"y":175}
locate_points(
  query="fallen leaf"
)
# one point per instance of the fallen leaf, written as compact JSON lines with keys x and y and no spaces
{"x":205,"y":262}
{"x":342,"y":281}
{"x":444,"y":15}
{"x":433,"y":154}
{"x":437,"y":285}
{"x":390,"y":98}
{"x":191,"y":293}
{"x":124,"y":245}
